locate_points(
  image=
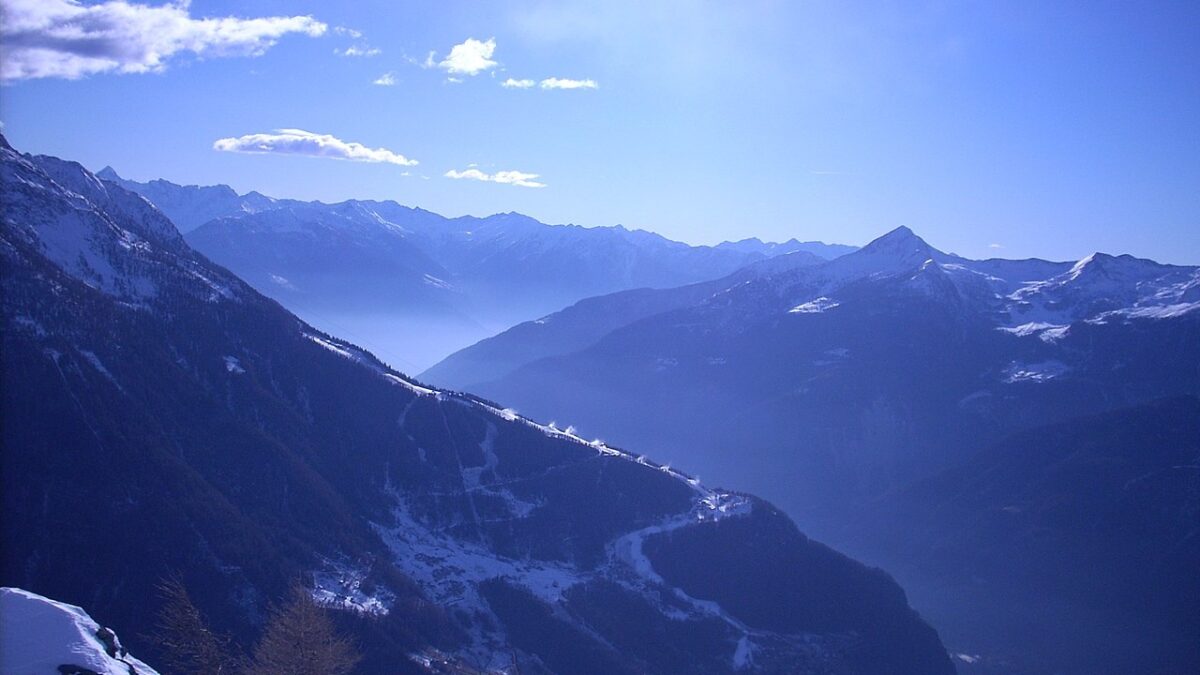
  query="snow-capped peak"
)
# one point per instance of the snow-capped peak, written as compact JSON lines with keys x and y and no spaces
{"x":898,"y":252}
{"x":903,"y":243}
{"x":1102,"y":286}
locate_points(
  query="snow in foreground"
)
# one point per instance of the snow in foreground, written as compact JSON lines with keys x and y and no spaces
{"x":39,"y":636}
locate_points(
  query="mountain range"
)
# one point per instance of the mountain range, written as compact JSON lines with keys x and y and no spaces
{"x":834,"y":389}
{"x":414,"y":286}
{"x":164,"y":418}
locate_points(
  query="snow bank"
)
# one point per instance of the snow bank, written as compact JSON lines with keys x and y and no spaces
{"x":38,"y":635}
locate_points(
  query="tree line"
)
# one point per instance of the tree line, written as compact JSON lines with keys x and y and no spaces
{"x":299,"y":639}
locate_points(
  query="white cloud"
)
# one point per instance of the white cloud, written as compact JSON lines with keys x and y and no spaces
{"x":349,"y":32}
{"x":995,"y":245}
{"x":64,"y":38}
{"x":386,"y":80}
{"x":429,"y":61}
{"x":510,"y":83}
{"x":562,"y":83}
{"x":358,"y":50}
{"x":300,"y":142}
{"x":506,"y":177}
{"x":469,"y":58}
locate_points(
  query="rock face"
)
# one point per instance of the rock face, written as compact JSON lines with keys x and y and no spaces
{"x":170,"y":419}
{"x":39,"y":636}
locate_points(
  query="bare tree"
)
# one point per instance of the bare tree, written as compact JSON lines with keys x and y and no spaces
{"x":301,"y":640}
{"x":188,"y":645}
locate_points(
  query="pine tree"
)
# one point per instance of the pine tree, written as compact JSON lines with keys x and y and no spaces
{"x":188,"y":645}
{"x":301,"y":640}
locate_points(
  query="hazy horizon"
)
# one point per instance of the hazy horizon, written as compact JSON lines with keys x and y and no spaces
{"x":1018,"y":130}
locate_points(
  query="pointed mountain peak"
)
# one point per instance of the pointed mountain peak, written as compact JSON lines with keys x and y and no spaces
{"x":900,"y":251}
{"x":1094,"y":260}
{"x":902,"y":244}
{"x":900,"y":235}
{"x":108,"y":173}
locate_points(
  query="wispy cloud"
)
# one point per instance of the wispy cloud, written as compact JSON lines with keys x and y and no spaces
{"x":563,"y":83}
{"x":550,"y":83}
{"x":386,"y":80}
{"x":360,"y":46}
{"x":358,"y":50}
{"x":468,"y":58}
{"x":995,"y":245}
{"x":67,"y":39}
{"x":518,"y":178}
{"x":300,"y":142}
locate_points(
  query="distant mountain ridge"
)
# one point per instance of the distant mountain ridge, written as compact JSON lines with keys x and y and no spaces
{"x":406,"y":281}
{"x":829,"y":387}
{"x":191,"y":206}
{"x":1020,"y":321}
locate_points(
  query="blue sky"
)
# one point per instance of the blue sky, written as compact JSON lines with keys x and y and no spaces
{"x":1007,"y":129}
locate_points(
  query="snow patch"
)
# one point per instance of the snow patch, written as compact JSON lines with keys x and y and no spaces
{"x":233,"y":365}
{"x":1027,"y":329}
{"x":449,"y":571}
{"x":99,"y":366}
{"x":411,"y":386}
{"x":816,"y":306}
{"x":473,"y":475}
{"x":1041,"y":371}
{"x":341,"y":586}
{"x":340,"y":350}
{"x":743,"y":655}
{"x":1153,"y":312}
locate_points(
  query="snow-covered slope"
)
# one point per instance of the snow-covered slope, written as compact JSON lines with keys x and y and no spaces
{"x":39,"y":636}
